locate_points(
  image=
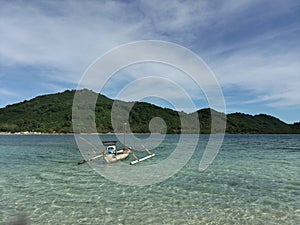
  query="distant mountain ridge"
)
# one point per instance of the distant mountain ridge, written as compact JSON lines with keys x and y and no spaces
{"x":53,"y":114}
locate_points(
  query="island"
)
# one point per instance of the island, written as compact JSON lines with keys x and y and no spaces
{"x":52,"y":113}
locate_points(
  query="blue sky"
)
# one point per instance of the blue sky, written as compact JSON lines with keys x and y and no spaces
{"x":251,"y":46}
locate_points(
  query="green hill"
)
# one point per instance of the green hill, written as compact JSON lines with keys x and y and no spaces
{"x":243,"y":123}
{"x":53,"y":113}
{"x":47,"y":113}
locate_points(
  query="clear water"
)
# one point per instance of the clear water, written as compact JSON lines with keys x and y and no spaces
{"x":255,"y":179}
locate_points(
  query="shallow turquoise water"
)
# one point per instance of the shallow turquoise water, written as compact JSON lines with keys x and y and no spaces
{"x":255,"y":179}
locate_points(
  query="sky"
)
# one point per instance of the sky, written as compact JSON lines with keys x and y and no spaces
{"x":251,"y":46}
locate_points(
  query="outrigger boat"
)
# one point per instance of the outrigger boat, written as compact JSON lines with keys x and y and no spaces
{"x":111,"y":154}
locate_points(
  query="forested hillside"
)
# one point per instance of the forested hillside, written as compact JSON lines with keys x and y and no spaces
{"x":53,"y":113}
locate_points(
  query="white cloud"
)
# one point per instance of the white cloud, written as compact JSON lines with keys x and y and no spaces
{"x":270,"y":71}
{"x":69,"y":41}
{"x":6,"y":93}
{"x":155,"y":70}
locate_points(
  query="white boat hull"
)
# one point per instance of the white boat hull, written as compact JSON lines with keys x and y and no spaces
{"x":111,"y":158}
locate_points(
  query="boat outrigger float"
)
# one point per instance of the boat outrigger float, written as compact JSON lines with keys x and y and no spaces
{"x":137,"y":160}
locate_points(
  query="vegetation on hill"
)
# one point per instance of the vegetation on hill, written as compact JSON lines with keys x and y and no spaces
{"x":262,"y":123}
{"x":47,"y":113}
{"x":53,"y":113}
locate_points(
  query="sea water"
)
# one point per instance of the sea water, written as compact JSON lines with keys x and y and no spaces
{"x":255,"y":179}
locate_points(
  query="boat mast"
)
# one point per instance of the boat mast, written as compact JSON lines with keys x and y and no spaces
{"x":124,"y":135}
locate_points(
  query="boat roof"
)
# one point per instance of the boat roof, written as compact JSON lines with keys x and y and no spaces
{"x":109,"y":142}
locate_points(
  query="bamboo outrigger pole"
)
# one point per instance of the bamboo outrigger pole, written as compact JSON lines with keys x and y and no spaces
{"x":137,"y":160}
{"x":93,"y":150}
{"x":91,"y":159}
